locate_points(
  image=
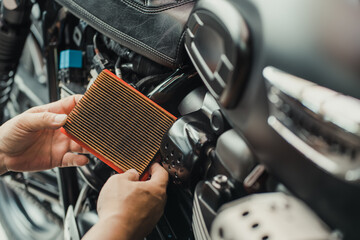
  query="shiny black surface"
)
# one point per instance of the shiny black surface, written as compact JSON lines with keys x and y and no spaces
{"x":14,"y":28}
{"x":317,"y":41}
{"x":218,"y":43}
{"x":295,"y":36}
{"x":183,"y":148}
{"x":211,"y":198}
{"x":153,"y":29}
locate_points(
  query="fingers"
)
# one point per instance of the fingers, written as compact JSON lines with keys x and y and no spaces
{"x":73,"y":160}
{"x":158,"y":174}
{"x":75,"y":147}
{"x":62,"y":106}
{"x":131,"y":175}
{"x":77,"y":98}
{"x":38,"y":121}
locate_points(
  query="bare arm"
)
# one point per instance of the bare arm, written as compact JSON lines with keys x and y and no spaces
{"x":129,"y":209}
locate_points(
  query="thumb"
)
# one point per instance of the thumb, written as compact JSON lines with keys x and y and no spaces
{"x":131,"y":175}
{"x":42,"y":120}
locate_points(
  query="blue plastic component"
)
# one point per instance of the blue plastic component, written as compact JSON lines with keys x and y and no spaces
{"x":70,"y":59}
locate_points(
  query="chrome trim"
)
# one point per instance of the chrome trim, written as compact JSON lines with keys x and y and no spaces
{"x":302,"y":147}
{"x":322,"y":124}
{"x":198,"y":223}
{"x":334,"y":107}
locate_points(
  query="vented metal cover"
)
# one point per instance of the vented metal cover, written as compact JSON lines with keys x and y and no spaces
{"x":269,"y":216}
{"x":118,"y":124}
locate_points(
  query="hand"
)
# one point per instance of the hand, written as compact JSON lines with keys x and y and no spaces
{"x":32,"y":140}
{"x":129,"y":209}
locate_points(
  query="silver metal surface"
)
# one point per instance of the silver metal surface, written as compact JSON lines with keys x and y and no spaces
{"x":331,"y":106}
{"x":2,"y":234}
{"x":322,"y":124}
{"x":198,"y":223}
{"x":70,"y":228}
{"x":219,"y":181}
{"x":268,"y":216}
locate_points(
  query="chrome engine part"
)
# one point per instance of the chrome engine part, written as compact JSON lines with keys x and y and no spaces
{"x":269,"y":216}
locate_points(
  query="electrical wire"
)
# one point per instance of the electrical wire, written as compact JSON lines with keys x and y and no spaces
{"x":96,"y":50}
{"x":117,"y":68}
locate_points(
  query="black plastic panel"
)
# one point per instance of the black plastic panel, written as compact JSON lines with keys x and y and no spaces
{"x":219,"y":46}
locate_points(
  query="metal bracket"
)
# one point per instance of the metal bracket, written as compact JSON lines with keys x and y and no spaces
{"x":71,"y":231}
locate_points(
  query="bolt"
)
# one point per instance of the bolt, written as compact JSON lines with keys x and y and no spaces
{"x":220,"y":181}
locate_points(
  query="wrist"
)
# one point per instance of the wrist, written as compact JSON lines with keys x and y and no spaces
{"x":3,"y":168}
{"x":116,"y":224}
{"x":110,"y":228}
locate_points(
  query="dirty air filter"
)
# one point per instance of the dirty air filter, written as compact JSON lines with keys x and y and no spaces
{"x":118,"y":124}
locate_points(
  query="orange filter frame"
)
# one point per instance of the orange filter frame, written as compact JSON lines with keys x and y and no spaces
{"x":118,"y":124}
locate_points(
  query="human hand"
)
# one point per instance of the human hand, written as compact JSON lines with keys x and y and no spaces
{"x":32,"y":140}
{"x":129,"y":209}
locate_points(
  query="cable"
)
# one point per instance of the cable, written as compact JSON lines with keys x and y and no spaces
{"x":117,"y":68}
{"x":96,"y":49}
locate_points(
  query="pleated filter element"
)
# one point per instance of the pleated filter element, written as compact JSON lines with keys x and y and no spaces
{"x":118,"y":124}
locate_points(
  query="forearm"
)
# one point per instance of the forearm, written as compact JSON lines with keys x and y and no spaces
{"x":110,"y":229}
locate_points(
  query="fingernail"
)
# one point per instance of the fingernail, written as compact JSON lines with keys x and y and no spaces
{"x":79,"y":98}
{"x":60,"y":118}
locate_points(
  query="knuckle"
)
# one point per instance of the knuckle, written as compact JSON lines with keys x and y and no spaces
{"x":46,"y":116}
{"x":159,"y":192}
{"x":35,"y":109}
{"x":162,"y":191}
{"x":115,"y":178}
{"x":133,"y":174}
{"x":21,"y":120}
{"x":112,"y":180}
{"x":147,"y":191}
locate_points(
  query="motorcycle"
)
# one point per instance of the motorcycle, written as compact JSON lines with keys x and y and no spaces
{"x":267,"y":141}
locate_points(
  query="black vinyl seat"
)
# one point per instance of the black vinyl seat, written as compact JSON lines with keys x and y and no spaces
{"x":152,"y":28}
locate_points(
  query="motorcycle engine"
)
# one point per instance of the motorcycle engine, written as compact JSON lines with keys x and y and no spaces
{"x":249,"y":156}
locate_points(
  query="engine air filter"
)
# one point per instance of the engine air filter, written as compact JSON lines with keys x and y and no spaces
{"x":118,"y":124}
